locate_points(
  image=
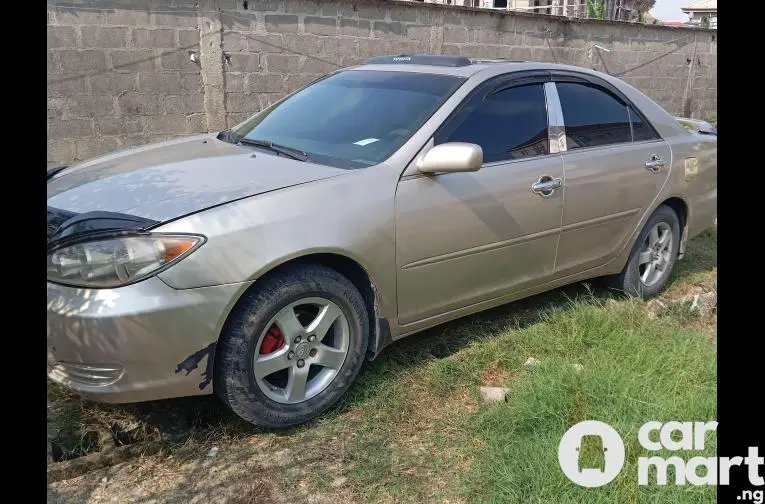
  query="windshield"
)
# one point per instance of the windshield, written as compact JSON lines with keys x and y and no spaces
{"x":351,"y":119}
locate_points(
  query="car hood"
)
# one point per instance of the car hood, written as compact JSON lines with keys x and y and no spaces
{"x":171,"y":179}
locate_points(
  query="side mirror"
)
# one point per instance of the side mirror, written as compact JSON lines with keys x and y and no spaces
{"x":452,"y":157}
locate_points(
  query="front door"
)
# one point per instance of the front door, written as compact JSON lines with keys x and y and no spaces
{"x":464,"y":238}
{"x":616,"y":165}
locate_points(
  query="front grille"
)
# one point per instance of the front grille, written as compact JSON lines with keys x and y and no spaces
{"x":94,"y":375}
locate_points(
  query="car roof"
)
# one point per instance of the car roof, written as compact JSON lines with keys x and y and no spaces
{"x":459,"y":66}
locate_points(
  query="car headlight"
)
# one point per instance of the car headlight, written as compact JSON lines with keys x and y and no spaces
{"x":118,"y":261}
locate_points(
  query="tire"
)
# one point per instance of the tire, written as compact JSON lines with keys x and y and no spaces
{"x":630,"y":280}
{"x":261,"y":320}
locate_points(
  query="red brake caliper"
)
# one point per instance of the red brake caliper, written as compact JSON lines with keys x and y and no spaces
{"x":273,"y":340}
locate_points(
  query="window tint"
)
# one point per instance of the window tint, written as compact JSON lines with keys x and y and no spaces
{"x":510,"y":124}
{"x":640,"y":129}
{"x":592,"y":116}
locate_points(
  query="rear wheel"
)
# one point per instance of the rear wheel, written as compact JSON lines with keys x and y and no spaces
{"x":653,"y":256}
{"x":292,"y":346}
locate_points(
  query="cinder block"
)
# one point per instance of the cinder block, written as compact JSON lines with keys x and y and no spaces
{"x":234,"y":82}
{"x":180,"y":19}
{"x":320,"y":25}
{"x":381,"y":29}
{"x":62,"y":37}
{"x":90,"y":106}
{"x":154,"y":38}
{"x":60,"y":151}
{"x":244,"y":62}
{"x":80,"y":16}
{"x":234,"y":42}
{"x":81,"y":61}
{"x":138,"y":104}
{"x":172,"y":124}
{"x":129,"y":17}
{"x":70,"y":128}
{"x":265,"y":83}
{"x":134,"y":61}
{"x":241,"y":102}
{"x":178,"y":60}
{"x":159,"y":82}
{"x":421,"y":33}
{"x":191,"y":83}
{"x":270,"y":43}
{"x":114,"y":126}
{"x":238,"y":21}
{"x":354,"y":27}
{"x":282,"y":23}
{"x":92,"y":147}
{"x":104,"y":37}
{"x":57,"y":107}
{"x":282,"y":63}
{"x":188,"y":39}
{"x":305,"y":45}
{"x":113,"y":83}
{"x":404,"y":13}
{"x":455,"y":35}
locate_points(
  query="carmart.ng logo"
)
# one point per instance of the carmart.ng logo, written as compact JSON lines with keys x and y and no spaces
{"x":608,"y":446}
{"x":591,"y":454}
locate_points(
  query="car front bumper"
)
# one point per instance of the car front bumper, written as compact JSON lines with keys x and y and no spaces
{"x":136,"y":343}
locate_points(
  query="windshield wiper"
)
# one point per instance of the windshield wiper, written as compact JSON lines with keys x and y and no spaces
{"x":282,"y":149}
{"x":226,"y":136}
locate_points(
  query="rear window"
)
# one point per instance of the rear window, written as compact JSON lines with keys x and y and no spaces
{"x":593,"y":117}
{"x":352,"y":119}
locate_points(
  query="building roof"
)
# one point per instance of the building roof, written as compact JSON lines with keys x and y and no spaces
{"x":700,"y":5}
{"x":673,"y":23}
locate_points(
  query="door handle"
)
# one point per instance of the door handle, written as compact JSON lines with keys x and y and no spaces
{"x":546,"y":185}
{"x":655,"y":164}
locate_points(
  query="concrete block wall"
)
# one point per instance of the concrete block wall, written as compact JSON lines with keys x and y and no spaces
{"x":120,"y":73}
{"x":120,"y":76}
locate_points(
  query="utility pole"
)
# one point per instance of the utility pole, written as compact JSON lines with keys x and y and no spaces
{"x":688,"y":98}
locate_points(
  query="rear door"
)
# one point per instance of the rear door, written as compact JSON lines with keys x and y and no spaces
{"x":464,"y":238}
{"x":615,"y":165}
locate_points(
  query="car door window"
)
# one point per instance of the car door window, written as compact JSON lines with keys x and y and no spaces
{"x":592,"y":116}
{"x":641,"y":130}
{"x":507,"y":124}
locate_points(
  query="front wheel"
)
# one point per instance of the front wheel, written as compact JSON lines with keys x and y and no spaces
{"x":652,"y":257}
{"x":292,"y":346}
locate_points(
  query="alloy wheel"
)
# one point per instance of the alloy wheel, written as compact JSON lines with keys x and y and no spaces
{"x":656,"y":254}
{"x":301,"y":350}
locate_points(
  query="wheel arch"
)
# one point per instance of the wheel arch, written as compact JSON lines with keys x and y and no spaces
{"x":680,"y":207}
{"x":358,"y":275}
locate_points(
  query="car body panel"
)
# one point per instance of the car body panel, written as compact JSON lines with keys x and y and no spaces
{"x":435,"y":247}
{"x":595,"y":227}
{"x":121,"y":327}
{"x":469,"y":237}
{"x":249,"y":237}
{"x":175,"y":178}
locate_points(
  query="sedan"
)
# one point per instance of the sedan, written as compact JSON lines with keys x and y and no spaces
{"x":265,"y":263}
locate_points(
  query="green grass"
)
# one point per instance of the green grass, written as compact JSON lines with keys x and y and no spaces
{"x":412,"y":429}
{"x":635,"y":370}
